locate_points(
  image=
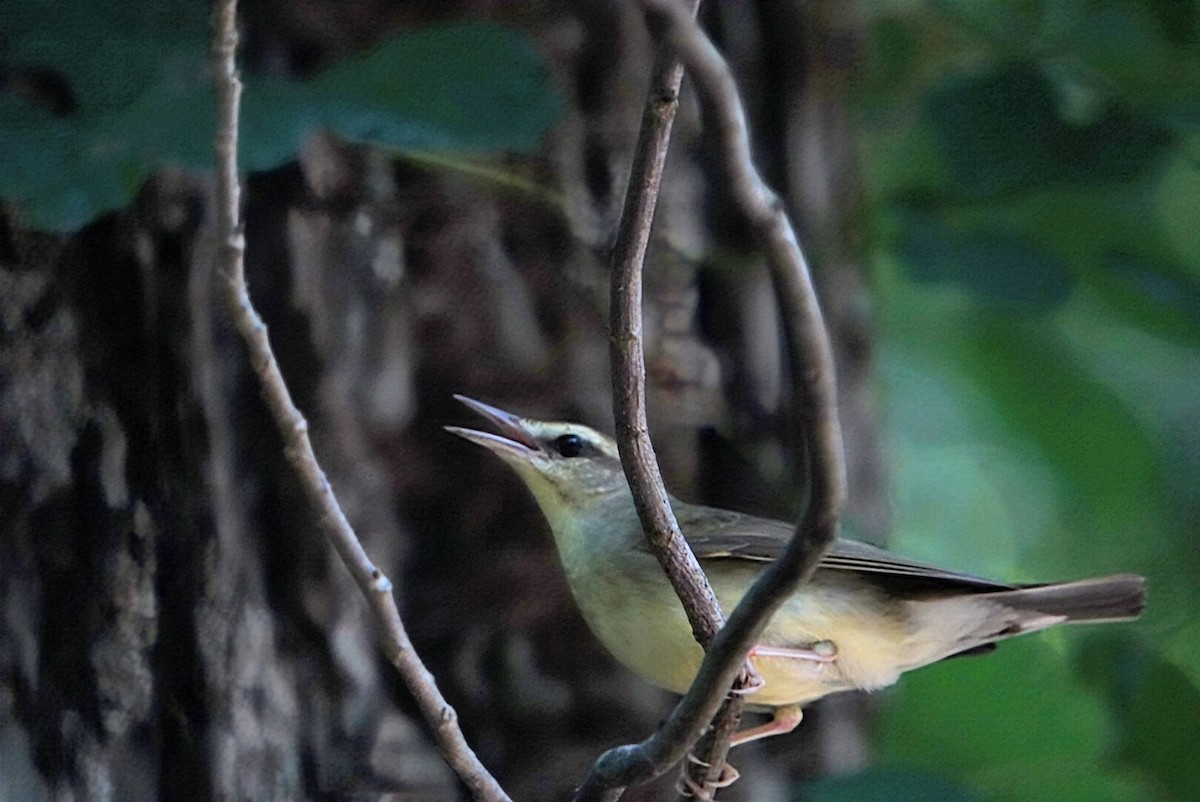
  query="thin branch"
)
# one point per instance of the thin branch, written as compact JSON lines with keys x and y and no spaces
{"x":712,"y":750}
{"x":629,"y":390}
{"x":813,"y":387}
{"x":376,"y":587}
{"x":809,"y":350}
{"x":629,"y":361}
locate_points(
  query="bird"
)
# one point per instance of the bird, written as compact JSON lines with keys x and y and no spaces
{"x":864,"y":617}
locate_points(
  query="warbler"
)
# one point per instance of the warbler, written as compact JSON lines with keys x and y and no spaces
{"x":865,"y":617}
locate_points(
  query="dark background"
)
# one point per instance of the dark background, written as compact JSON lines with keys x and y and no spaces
{"x":998,"y":200}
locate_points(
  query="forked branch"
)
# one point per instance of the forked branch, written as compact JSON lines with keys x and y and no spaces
{"x":813,"y":387}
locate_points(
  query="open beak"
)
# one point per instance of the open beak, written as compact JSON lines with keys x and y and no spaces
{"x":514,"y":438}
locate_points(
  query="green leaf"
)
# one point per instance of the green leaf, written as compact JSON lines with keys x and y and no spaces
{"x":1042,"y":449}
{"x":1164,"y":729}
{"x":988,"y":721}
{"x":470,"y":86}
{"x":953,"y":481}
{"x":998,"y":131}
{"x":1102,"y":241}
{"x":108,"y":50}
{"x":1001,"y":131}
{"x":277,"y":117}
{"x":1183,"y":651}
{"x":464,"y":88}
{"x":1128,"y":42}
{"x":61,"y":173}
{"x":1158,"y":383}
{"x":885,"y":785}
{"x":1090,"y":436}
{"x":997,"y":269}
{"x":1084,"y":781}
{"x":33,"y":146}
{"x":1160,"y":300}
{"x":1176,"y":205}
{"x":1062,"y":443}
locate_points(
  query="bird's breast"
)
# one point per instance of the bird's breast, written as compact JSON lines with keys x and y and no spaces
{"x":633,"y":611}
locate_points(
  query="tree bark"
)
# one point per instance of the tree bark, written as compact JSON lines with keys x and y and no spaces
{"x":173,"y":623}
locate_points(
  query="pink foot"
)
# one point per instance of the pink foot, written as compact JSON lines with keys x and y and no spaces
{"x":786,"y":719}
{"x":823,"y":651}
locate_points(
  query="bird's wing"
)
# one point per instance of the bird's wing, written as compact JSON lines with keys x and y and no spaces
{"x":717,"y":534}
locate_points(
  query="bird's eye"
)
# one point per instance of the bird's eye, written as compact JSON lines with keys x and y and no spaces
{"x":569,"y":445}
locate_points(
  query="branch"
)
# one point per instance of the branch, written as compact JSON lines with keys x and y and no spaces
{"x":809,"y":349}
{"x":813,"y":387}
{"x":629,"y":361}
{"x":376,"y":587}
{"x":662,"y":531}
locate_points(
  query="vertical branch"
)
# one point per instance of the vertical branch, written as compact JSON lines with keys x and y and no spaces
{"x":809,"y":349}
{"x":813,"y":387}
{"x":629,"y":388}
{"x":375,"y":586}
{"x":629,"y":361}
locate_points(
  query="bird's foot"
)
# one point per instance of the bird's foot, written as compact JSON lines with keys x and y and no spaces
{"x":785,"y":719}
{"x":823,"y":651}
{"x":748,"y":679}
{"x":686,"y":786}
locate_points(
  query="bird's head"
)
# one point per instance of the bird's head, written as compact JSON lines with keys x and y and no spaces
{"x":565,"y":465}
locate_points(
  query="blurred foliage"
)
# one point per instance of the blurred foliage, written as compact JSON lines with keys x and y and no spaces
{"x":1033,"y":171}
{"x":97,"y":96}
{"x":884,"y":785}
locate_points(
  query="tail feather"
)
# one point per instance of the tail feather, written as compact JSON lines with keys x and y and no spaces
{"x":973,"y":622}
{"x":1107,"y":598}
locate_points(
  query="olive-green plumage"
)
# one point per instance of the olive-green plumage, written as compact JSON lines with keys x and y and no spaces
{"x":883,"y":614}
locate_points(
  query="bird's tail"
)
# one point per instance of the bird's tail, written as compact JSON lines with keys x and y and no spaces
{"x":972,"y":623}
{"x":1106,"y":598}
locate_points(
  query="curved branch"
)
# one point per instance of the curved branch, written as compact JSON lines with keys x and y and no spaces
{"x":376,"y":587}
{"x":662,"y":531}
{"x":814,"y":387}
{"x":629,"y":361}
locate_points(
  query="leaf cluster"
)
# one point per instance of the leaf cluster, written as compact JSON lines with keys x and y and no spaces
{"x":99,"y":96}
{"x":1032,"y":172}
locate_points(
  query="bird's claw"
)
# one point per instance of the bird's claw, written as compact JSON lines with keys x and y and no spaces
{"x":686,"y":786}
{"x":748,"y":680}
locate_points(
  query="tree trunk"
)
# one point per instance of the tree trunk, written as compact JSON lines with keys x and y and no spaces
{"x":174,"y":624}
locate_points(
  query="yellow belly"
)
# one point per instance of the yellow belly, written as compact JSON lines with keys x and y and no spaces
{"x":643,"y":625}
